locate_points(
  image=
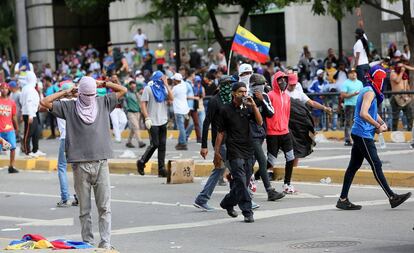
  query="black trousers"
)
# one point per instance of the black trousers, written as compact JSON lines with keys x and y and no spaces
{"x":349,"y":118}
{"x":364,"y":148}
{"x":284,"y":142}
{"x":52,"y":122}
{"x":396,"y":114}
{"x":31,"y":133}
{"x":241,"y":171}
{"x":158,"y":140}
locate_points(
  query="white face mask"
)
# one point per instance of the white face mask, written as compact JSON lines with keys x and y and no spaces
{"x":245,"y":79}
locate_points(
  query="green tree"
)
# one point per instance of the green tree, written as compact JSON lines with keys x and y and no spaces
{"x":7,"y":28}
{"x":338,"y":8}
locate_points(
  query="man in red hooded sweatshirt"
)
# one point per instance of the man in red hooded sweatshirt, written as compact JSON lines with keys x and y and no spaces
{"x":278,"y":135}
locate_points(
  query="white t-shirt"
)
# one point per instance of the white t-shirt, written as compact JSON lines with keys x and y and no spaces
{"x":363,"y":58}
{"x":298,"y":93}
{"x":180,"y":104}
{"x":62,"y":128}
{"x":341,"y":78}
{"x":140,"y":39}
{"x":157,"y":112}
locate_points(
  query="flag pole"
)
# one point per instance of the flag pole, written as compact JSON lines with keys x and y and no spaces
{"x":228,"y":64}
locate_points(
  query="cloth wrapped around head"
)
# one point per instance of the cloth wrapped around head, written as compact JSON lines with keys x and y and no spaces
{"x":157,"y":87}
{"x":86,"y":105}
{"x":375,"y":77}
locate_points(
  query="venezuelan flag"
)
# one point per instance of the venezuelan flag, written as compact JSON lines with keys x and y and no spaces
{"x":248,"y":45}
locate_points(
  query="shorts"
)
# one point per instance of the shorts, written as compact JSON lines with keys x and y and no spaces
{"x":10,"y":137}
{"x":276,"y":142}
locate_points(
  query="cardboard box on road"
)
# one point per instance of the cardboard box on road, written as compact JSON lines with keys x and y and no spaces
{"x":180,"y":171}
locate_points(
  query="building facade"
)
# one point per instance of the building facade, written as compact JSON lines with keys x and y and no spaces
{"x":46,"y":26}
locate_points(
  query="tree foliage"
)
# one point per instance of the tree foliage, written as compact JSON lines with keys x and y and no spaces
{"x":7,"y":26}
{"x":87,"y":6}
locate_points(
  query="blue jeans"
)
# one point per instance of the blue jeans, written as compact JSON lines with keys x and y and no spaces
{"x":63,"y":179}
{"x":201,"y":117}
{"x":212,"y":180}
{"x":179,"y":120}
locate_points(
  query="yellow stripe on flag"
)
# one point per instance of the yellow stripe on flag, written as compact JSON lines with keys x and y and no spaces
{"x":250,"y":36}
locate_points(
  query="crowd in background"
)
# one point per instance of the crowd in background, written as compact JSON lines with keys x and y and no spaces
{"x":200,"y":71}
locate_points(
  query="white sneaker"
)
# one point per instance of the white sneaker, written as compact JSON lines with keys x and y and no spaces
{"x":289,"y":189}
{"x":40,"y":153}
{"x":33,"y":154}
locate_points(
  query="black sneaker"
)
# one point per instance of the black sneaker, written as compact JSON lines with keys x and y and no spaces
{"x":348,"y":144}
{"x":12,"y":170}
{"x":412,"y":145}
{"x":347,"y":205}
{"x":230,"y":211}
{"x":398,"y":199}
{"x":273,"y":195}
{"x":249,"y":219}
{"x":75,"y":201}
{"x":140,"y":168}
{"x":162,"y":173}
{"x":141,"y":144}
{"x":129,"y":145}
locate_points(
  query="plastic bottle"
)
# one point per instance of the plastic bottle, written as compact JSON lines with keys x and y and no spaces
{"x":381,"y":141}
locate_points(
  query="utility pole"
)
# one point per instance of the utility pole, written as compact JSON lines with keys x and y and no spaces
{"x":339,"y":38}
{"x":177,"y":37}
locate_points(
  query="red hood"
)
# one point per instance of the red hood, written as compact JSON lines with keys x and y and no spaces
{"x":276,"y":76}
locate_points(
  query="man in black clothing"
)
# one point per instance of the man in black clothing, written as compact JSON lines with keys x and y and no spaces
{"x":257,"y":86}
{"x":212,"y":116}
{"x":234,"y":122}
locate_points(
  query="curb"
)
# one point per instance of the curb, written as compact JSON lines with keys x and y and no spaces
{"x":396,"y":136}
{"x":122,"y":166}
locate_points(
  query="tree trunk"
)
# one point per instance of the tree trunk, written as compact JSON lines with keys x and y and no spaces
{"x":409,"y":30}
{"x":225,"y":45}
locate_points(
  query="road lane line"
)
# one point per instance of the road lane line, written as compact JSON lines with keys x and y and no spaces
{"x":112,"y":200}
{"x":265,"y":214}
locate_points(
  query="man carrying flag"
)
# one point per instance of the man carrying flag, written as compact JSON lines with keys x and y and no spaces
{"x":248,"y":45}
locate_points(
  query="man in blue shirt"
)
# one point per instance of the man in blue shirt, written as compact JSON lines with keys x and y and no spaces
{"x":367,"y":122}
{"x":49,"y":89}
{"x":349,"y":93}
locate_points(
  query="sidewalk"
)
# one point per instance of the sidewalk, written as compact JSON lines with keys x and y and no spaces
{"x":309,"y":174}
{"x":396,"y":136}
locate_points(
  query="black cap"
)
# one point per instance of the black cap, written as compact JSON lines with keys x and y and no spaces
{"x":257,"y":79}
{"x":226,"y":79}
{"x":359,"y":31}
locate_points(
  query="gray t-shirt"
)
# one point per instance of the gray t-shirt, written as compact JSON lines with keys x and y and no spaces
{"x":87,"y":142}
{"x":157,"y":112}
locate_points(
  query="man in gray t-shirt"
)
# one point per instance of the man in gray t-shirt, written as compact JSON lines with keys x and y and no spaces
{"x":155,"y":112}
{"x":88,"y":146}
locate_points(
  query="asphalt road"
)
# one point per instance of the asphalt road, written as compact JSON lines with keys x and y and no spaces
{"x":151,"y":216}
{"x":327,"y":154}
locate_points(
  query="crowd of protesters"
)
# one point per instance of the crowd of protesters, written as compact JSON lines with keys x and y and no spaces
{"x":256,"y":103}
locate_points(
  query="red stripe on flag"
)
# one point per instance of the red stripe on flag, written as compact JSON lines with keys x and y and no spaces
{"x":251,"y":54}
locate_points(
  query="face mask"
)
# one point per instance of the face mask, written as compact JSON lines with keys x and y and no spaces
{"x":257,"y":88}
{"x":282,"y":84}
{"x":245,"y":79}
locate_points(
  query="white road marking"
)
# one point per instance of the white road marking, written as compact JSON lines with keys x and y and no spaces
{"x":38,"y":222}
{"x":112,"y":200}
{"x":258,"y":216}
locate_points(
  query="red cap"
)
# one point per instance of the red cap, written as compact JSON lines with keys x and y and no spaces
{"x":4,"y":85}
{"x":292,"y":79}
